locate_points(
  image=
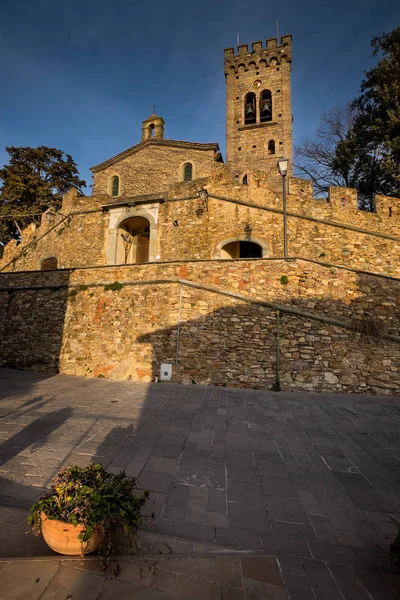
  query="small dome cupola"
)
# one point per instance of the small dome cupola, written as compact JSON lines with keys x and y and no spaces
{"x":153,"y":127}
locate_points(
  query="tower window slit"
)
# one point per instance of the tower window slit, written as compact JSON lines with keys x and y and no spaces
{"x":271,"y":147}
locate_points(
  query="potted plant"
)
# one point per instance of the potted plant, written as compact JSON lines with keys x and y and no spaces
{"x":83,"y":509}
{"x":395,"y":545}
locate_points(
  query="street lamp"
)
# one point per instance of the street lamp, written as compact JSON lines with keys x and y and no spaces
{"x":283,"y":169}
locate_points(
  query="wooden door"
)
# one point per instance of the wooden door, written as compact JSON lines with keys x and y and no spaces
{"x":142,"y":251}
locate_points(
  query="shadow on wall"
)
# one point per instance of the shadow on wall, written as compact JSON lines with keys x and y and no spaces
{"x":32,"y":324}
{"x":237,"y":345}
{"x":219,"y":339}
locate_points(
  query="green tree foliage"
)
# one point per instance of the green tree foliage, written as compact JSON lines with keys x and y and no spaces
{"x":34,"y":179}
{"x":359,"y":145}
{"x":376,"y":132}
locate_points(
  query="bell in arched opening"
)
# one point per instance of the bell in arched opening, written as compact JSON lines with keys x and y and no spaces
{"x":265,"y":106}
{"x":153,"y":128}
{"x":250,"y":108}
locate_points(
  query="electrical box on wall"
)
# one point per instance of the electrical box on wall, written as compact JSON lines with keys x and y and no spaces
{"x":165,"y":372}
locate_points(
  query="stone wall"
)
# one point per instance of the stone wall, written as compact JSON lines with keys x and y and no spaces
{"x":76,"y":236}
{"x":328,"y":230}
{"x":154,"y":168}
{"x":124,"y":331}
{"x":185,"y":234}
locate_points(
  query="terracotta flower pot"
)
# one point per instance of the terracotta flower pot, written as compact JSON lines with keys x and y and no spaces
{"x":63,"y":537}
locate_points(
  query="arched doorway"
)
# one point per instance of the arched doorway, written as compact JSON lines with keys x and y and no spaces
{"x":241,"y":249}
{"x":241,"y":246}
{"x":133,"y":241}
{"x":49,"y":264}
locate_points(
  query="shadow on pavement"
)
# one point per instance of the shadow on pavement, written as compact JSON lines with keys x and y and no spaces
{"x":309,"y":478}
{"x":35,"y":434}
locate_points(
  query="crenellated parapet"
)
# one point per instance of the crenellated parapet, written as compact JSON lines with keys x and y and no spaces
{"x":343,"y":202}
{"x":259,"y":57}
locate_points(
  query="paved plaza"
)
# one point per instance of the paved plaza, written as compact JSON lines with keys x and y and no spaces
{"x":308,"y":481}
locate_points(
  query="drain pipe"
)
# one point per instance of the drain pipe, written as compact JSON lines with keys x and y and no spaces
{"x":178,"y":335}
{"x":277,"y":385}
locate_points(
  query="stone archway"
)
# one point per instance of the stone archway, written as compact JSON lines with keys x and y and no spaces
{"x":241,"y":246}
{"x":122,"y":222}
{"x":133,"y":241}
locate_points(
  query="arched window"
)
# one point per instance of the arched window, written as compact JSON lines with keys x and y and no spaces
{"x":115,"y":185}
{"x":271,"y":147}
{"x":244,"y":180}
{"x":250,"y":108}
{"x":187,"y":172}
{"x":151,"y":130}
{"x":265,"y":106}
{"x":49,"y":264}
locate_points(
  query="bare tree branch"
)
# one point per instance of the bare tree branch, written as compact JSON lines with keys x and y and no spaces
{"x":318,"y":157}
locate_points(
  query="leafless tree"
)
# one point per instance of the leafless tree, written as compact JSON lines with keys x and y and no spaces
{"x":327,"y":158}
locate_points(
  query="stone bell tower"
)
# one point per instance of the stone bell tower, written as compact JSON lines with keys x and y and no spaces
{"x":153,"y":127}
{"x":258,"y":105}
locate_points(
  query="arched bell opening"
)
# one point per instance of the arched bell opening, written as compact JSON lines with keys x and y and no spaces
{"x":250,"y":108}
{"x":133,"y":241}
{"x":265,"y":106}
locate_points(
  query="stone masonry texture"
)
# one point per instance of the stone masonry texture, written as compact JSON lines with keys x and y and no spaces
{"x":248,"y":144}
{"x":327,"y":230}
{"x":123,"y":322}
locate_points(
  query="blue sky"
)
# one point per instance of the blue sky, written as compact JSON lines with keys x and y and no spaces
{"x":82,"y":75}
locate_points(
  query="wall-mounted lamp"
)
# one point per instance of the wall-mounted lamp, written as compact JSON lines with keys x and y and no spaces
{"x":51,"y":215}
{"x":203,"y":195}
{"x":248,"y":229}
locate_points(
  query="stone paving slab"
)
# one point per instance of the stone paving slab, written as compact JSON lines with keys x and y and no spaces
{"x":228,"y":577}
{"x":309,"y":478}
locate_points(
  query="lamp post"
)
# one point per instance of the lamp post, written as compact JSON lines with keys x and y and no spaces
{"x":283,"y":169}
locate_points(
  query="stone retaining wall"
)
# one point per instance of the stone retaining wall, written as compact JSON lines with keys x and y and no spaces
{"x":78,"y":326}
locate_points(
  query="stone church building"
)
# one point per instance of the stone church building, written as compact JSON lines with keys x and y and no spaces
{"x":177,"y":266}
